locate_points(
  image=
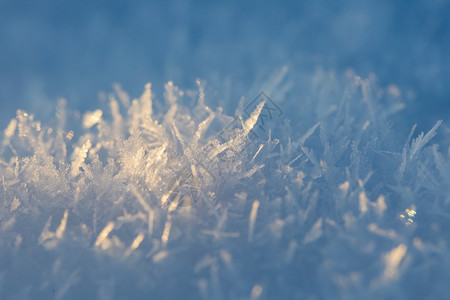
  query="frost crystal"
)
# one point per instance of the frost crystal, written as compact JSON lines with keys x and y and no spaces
{"x":183,"y":201}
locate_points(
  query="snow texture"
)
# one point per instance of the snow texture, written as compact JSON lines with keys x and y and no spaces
{"x":176,"y":203}
{"x":288,"y":171}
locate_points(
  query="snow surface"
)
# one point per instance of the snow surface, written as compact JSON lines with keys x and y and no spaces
{"x":136,"y":203}
{"x":318,"y":186}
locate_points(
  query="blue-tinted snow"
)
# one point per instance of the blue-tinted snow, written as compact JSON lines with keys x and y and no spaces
{"x":329,"y":240}
{"x":76,"y":49}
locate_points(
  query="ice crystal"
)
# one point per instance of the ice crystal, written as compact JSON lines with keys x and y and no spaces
{"x":174,"y":202}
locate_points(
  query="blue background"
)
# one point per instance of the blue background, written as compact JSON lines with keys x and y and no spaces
{"x":75,"y":49}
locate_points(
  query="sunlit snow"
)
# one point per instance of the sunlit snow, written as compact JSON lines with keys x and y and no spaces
{"x":249,"y":150}
{"x":155,"y":202}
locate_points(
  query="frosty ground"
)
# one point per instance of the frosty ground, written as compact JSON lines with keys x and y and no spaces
{"x":169,"y":197}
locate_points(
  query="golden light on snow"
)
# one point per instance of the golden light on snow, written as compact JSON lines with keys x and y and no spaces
{"x":314,"y":233}
{"x":166,"y":232}
{"x":344,"y":187}
{"x":92,"y":118}
{"x":104,"y":234}
{"x":363,"y":202}
{"x":381,"y":205}
{"x":393,"y":259}
{"x":11,"y":129}
{"x":253,"y":214}
{"x":136,"y":242}
{"x":167,"y":186}
{"x":389,"y":233}
{"x":256,"y":291}
{"x":62,"y":226}
{"x":160,"y":256}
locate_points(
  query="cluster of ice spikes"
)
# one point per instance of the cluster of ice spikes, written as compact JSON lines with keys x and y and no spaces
{"x":176,"y":203}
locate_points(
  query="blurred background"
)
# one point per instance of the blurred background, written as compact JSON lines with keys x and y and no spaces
{"x":76,"y":49}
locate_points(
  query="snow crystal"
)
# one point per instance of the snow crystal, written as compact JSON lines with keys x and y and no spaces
{"x":177,"y":200}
